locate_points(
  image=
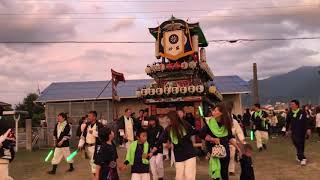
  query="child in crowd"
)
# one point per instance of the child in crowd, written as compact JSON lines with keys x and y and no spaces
{"x":138,"y":156}
{"x":106,"y":156}
{"x":247,"y":172}
{"x":156,"y":161}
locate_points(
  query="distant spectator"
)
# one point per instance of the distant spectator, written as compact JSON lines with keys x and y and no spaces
{"x":190,"y":119}
{"x":318,"y":121}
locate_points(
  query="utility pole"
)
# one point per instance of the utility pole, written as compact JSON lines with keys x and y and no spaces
{"x":255,"y":86}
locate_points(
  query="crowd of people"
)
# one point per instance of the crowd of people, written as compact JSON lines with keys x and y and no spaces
{"x":146,"y":141}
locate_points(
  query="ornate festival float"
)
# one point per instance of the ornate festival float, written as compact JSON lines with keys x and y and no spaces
{"x":181,"y":74}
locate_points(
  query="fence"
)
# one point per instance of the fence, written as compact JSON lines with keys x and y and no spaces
{"x":42,"y":137}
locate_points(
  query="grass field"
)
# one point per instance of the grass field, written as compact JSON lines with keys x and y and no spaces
{"x":278,"y":163}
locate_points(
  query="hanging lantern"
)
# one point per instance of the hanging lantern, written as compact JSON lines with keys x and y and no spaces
{"x":212,"y":89}
{"x":138,"y":93}
{"x":184,"y":65}
{"x":162,"y":67}
{"x":144,"y":92}
{"x":183,"y":90}
{"x":192,"y":65}
{"x":153,"y":68}
{"x":195,"y":43}
{"x":159,"y":91}
{"x":191,"y":89}
{"x":167,"y":90}
{"x":170,"y":66}
{"x":175,"y":90}
{"x":177,"y":66}
{"x":199,"y":88}
{"x":152,"y":91}
{"x":203,"y":57}
{"x":148,"y":70}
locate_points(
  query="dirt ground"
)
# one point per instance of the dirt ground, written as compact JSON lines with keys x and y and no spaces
{"x":277,"y":163}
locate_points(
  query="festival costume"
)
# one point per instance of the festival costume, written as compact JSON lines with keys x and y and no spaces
{"x":298,"y":124}
{"x":218,"y":167}
{"x":106,"y":158}
{"x":261,"y":128}
{"x":139,"y":165}
{"x":238,"y":133}
{"x":62,"y":132}
{"x":156,"y":161}
{"x":182,"y":152}
{"x":91,"y":142}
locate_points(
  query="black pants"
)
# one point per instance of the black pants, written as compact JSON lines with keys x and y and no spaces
{"x":318,"y":129}
{"x":224,"y":162}
{"x":299,"y":142}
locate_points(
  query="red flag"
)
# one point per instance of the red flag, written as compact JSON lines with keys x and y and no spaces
{"x":117,"y":77}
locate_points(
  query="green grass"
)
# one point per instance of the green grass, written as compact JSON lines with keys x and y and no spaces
{"x":278,"y":163}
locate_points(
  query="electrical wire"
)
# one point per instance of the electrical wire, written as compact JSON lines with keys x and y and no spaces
{"x":161,"y":11}
{"x":151,"y":42}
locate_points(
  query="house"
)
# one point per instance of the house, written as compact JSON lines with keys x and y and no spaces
{"x":77,"y":98}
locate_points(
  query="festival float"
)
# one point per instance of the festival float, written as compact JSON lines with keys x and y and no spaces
{"x":182,"y":77}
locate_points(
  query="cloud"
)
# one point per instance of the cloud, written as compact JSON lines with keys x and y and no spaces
{"x":121,"y":24}
{"x":25,"y":65}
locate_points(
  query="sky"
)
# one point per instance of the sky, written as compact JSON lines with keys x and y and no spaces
{"x":24,"y":67}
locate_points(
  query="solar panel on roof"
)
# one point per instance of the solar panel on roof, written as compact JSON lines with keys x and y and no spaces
{"x":91,"y":89}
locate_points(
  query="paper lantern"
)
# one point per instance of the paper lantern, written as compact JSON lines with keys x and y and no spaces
{"x":167,"y":90}
{"x":153,"y":68}
{"x":162,"y":67}
{"x":157,"y":67}
{"x":175,"y":90}
{"x":191,"y":89}
{"x":138,"y":93}
{"x":148,"y":70}
{"x":192,"y":65}
{"x":152,"y":91}
{"x":203,"y":57}
{"x":212,"y":89}
{"x":144,"y":92}
{"x":177,"y":66}
{"x":199,"y":88}
{"x":170,"y":66}
{"x":159,"y":91}
{"x":184,"y":65}
{"x":183,"y":90}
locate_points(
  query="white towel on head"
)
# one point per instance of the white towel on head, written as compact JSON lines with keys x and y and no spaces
{"x":4,"y":136}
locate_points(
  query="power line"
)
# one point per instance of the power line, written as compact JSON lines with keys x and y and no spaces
{"x":162,"y":11}
{"x":104,"y":1}
{"x":151,"y":42}
{"x":146,"y":18}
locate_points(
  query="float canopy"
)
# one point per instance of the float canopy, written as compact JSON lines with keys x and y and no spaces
{"x":194,"y":29}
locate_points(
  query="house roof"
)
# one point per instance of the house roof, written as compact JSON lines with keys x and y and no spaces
{"x":4,"y":104}
{"x":90,"y":90}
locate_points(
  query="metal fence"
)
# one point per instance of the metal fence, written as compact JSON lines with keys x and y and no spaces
{"x":42,"y":137}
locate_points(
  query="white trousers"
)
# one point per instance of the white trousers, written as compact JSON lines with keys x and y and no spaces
{"x":4,"y":170}
{"x":186,"y":170}
{"x":232,"y":163}
{"x":90,"y":153}
{"x":60,"y":153}
{"x":140,"y":176}
{"x":262,"y":137}
{"x":156,"y":165}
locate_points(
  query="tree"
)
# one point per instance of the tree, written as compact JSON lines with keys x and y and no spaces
{"x":35,"y":111}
